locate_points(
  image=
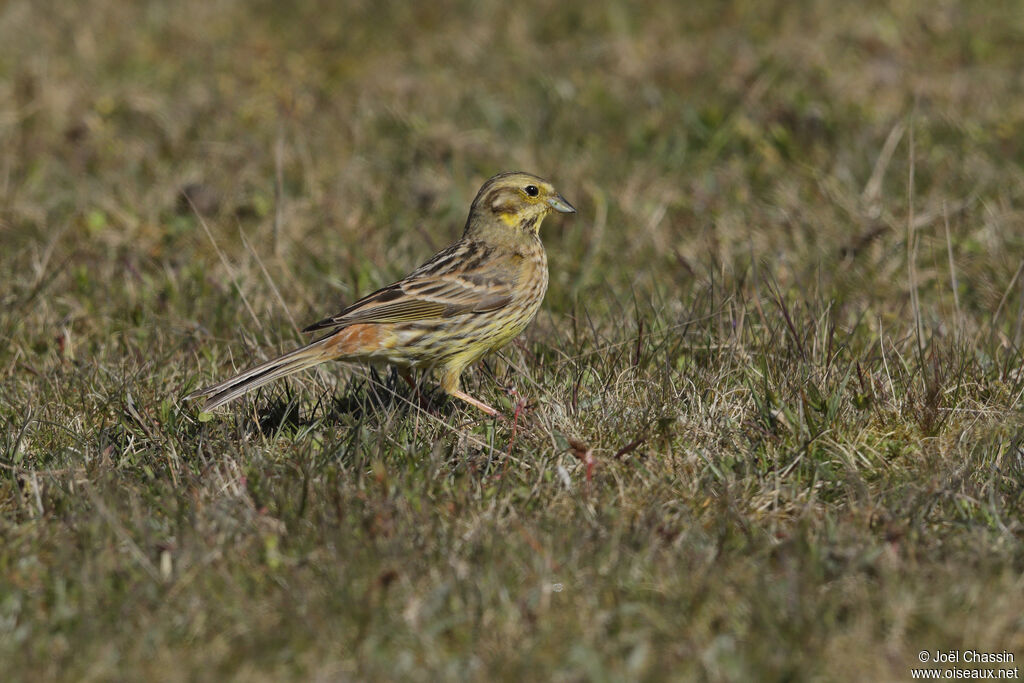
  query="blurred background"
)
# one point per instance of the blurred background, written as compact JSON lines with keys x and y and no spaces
{"x":345,"y":140}
{"x":775,"y":421}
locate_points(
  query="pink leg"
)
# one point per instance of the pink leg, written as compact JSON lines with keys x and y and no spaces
{"x":424,"y":402}
{"x":473,"y":402}
{"x":407,"y":376}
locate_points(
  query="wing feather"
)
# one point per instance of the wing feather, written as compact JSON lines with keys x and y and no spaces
{"x":427,"y":294}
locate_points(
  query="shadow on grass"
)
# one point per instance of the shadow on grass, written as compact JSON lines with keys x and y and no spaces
{"x":361,"y":399}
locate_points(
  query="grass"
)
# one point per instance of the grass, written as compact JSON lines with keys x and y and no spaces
{"x":774,"y":426}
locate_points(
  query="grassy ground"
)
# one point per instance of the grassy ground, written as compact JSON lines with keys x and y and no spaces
{"x":775,"y":418}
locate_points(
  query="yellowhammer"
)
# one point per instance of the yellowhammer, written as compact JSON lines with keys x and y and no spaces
{"x":469,"y":299}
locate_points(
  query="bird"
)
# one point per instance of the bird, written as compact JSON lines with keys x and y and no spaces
{"x":468,"y":300}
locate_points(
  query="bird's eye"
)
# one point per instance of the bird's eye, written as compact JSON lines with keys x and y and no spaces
{"x":531,"y":190}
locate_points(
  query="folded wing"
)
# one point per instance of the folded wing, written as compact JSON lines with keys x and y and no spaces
{"x":424,"y":298}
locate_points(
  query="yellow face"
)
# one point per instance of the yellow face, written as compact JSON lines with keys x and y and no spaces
{"x":518,"y":200}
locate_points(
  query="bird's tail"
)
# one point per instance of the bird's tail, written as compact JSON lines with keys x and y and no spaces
{"x":299,"y":359}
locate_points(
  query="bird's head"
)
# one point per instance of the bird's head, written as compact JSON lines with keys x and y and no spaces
{"x":510,"y":207}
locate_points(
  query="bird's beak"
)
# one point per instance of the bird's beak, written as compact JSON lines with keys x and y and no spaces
{"x":559,"y":204}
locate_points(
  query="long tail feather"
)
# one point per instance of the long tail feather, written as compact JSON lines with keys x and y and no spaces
{"x":299,"y":359}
